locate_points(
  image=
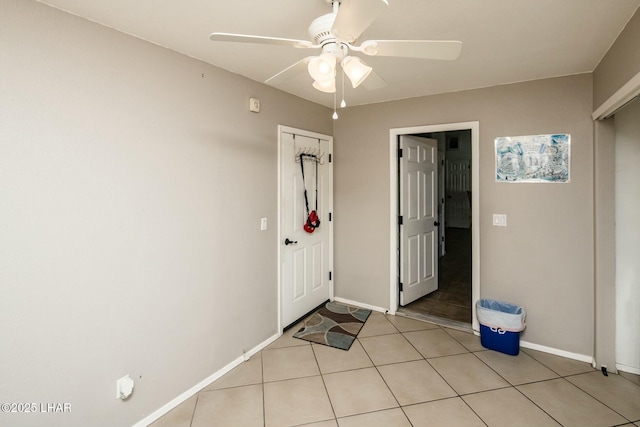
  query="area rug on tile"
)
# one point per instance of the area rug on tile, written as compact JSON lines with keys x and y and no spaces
{"x":336,"y":325}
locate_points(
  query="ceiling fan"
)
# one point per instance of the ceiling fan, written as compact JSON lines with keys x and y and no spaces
{"x":336,"y":34}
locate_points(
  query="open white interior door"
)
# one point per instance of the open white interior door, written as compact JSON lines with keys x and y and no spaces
{"x":306,"y":258}
{"x":419,"y":224}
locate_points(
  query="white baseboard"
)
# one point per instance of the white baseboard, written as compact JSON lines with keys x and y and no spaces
{"x":629,"y":369}
{"x":362,"y":305}
{"x":557,"y":352}
{"x":204,"y":383}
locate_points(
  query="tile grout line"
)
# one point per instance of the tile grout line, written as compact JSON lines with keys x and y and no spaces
{"x":193,"y":414}
{"x":458,"y":395}
{"x":536,"y":405}
{"x":564,"y":377}
{"x":437,"y":357}
{"x":513,"y":386}
{"x":388,"y":387}
{"x":593,"y":397}
{"x":324,"y":384}
{"x":438,"y":327}
{"x":433,"y":367}
{"x":264,"y":403}
{"x":547,"y":366}
{"x":560,"y":377}
{"x":376,"y":366}
{"x":472,"y":410}
{"x":510,"y":385}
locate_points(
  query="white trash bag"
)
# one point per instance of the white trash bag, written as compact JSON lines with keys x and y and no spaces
{"x":500,"y":315}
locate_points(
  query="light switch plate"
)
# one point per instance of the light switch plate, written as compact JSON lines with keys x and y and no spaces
{"x":263,"y":224}
{"x":500,"y":220}
{"x":254,"y":105}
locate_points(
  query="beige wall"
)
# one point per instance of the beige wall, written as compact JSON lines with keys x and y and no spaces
{"x":542,"y":260}
{"x":620,"y":64}
{"x":132,"y":183}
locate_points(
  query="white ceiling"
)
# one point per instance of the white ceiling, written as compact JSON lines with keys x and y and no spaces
{"x":504,"y":41}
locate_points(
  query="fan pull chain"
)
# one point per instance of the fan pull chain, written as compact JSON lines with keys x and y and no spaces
{"x":335,"y":113}
{"x":343,"y":104}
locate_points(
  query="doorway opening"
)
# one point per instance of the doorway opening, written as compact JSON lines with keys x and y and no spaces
{"x":453,"y":302}
{"x":452,"y":299}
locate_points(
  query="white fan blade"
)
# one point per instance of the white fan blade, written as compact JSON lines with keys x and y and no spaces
{"x":354,"y":16}
{"x":373,"y":82}
{"x":425,"y":49}
{"x":244,"y":38}
{"x":289,"y":71}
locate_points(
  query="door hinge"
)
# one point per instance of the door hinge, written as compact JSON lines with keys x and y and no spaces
{"x":400,"y":286}
{"x":400,"y":220}
{"x":399,"y":153}
{"x":330,"y":216}
{"x":330,"y":158}
{"x":330,"y":275}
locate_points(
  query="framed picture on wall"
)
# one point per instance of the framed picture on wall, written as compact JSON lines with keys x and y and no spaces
{"x":533,"y":158}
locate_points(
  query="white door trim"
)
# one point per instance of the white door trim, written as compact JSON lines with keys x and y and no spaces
{"x":475,"y":207}
{"x":619,"y":99}
{"x":605,"y":263}
{"x":286,"y":129}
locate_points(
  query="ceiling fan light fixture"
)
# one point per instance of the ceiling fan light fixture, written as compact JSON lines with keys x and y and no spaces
{"x":322,"y":68}
{"x":335,"y":34}
{"x":329,"y":86}
{"x":356,"y":70}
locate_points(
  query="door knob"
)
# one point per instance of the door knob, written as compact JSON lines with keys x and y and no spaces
{"x":436,"y":223}
{"x":290,"y":242}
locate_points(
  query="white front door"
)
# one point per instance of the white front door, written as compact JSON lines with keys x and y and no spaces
{"x":306,"y":258}
{"x":418,"y":210}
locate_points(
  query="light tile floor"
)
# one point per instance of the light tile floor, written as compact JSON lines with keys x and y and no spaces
{"x":403,"y":372}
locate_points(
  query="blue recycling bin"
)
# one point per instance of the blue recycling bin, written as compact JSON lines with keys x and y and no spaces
{"x":500,"y":325}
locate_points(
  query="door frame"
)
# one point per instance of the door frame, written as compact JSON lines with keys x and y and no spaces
{"x":286,"y":129}
{"x":475,"y":207}
{"x":605,"y":307}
